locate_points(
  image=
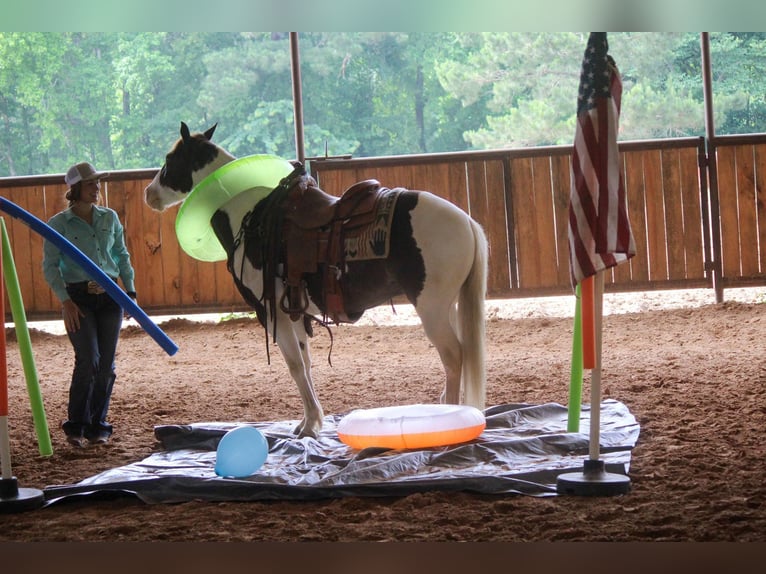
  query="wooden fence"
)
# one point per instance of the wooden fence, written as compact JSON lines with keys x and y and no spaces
{"x":738,"y":178}
{"x":520,"y":196}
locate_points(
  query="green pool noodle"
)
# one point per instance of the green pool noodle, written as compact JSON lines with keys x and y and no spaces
{"x":575,"y":379}
{"x":25,"y":347}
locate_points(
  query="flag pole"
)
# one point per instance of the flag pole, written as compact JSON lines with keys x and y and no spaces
{"x":595,"y":373}
{"x":599,"y":236}
{"x":594,"y":480}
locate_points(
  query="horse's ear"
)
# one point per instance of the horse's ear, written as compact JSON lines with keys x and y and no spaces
{"x":209,"y":133}
{"x":185,"y":135}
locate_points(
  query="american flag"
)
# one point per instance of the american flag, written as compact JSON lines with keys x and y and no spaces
{"x":599,"y":229}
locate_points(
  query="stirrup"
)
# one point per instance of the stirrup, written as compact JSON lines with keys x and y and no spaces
{"x":295,"y":312}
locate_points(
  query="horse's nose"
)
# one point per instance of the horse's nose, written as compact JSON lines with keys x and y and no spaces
{"x":152,"y":198}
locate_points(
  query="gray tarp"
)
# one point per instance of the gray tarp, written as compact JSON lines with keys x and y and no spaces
{"x":522,"y":451}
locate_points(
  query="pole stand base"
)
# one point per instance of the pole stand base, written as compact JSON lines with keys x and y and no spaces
{"x":592,"y":481}
{"x":15,"y":499}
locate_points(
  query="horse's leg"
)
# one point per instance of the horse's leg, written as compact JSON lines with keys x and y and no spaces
{"x":437,"y":314}
{"x":454,"y":252}
{"x":292,"y":341}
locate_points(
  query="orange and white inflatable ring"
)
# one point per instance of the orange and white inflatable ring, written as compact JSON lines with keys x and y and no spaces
{"x":411,"y":426}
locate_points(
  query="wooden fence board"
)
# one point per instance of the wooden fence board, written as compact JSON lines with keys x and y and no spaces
{"x":435,"y":178}
{"x":41,"y":294}
{"x":495,"y":229}
{"x":206,"y":286}
{"x":760,"y":203}
{"x":477,"y":191}
{"x":54,"y":198}
{"x":655,"y":216}
{"x":458,"y":187}
{"x":522,"y":189}
{"x":673,"y":217}
{"x":331,"y":181}
{"x":190,"y":282}
{"x":478,"y":195}
{"x":170,"y":254}
{"x":544,"y":221}
{"x":727,"y":194}
{"x":147,"y":250}
{"x":120,"y":200}
{"x":691,"y":214}
{"x":636,"y":195}
{"x":622,"y":272}
{"x":55,"y":201}
{"x":747,"y":215}
{"x":401,"y":177}
{"x":561,"y":183}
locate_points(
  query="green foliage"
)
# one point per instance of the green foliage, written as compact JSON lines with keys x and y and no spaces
{"x":117,"y":99}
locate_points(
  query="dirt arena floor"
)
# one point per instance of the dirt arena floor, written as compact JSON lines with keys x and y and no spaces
{"x":692,"y":372}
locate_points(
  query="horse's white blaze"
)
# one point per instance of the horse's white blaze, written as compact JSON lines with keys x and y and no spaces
{"x":159,"y":197}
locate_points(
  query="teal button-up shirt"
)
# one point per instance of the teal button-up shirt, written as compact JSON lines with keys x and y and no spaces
{"x":103,"y":242}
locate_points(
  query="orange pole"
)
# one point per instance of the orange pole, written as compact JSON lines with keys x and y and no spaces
{"x":588,"y":315}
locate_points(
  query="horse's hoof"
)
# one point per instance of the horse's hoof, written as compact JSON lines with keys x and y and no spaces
{"x":303,"y":430}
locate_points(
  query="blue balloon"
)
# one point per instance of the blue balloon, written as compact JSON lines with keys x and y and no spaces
{"x":241,"y":452}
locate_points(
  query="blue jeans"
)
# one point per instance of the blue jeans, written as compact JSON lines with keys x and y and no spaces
{"x":95,"y":346}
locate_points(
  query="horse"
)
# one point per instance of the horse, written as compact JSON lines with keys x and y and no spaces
{"x":437,"y":259}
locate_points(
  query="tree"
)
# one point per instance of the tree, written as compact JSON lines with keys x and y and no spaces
{"x":117,"y":99}
{"x":529,"y":82}
{"x":738,"y":69}
{"x":29,"y":65}
{"x":159,"y":81}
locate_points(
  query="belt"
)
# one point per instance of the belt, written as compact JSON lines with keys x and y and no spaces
{"x":90,"y":287}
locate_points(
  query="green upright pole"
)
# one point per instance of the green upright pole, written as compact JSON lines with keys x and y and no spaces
{"x":25,"y":346}
{"x":575,"y":378}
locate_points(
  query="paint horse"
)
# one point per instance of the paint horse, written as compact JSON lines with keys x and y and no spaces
{"x":436,"y":256}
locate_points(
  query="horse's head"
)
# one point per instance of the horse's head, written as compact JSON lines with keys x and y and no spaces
{"x":192,"y":157}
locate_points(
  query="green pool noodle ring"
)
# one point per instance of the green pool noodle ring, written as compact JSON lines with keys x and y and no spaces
{"x":248,"y":179}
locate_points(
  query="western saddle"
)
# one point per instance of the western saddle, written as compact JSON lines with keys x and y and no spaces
{"x":300,"y":227}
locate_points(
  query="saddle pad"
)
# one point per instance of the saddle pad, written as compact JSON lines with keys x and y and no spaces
{"x":372,"y":241}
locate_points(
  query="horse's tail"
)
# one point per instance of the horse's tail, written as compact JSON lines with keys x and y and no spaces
{"x":471,"y":322}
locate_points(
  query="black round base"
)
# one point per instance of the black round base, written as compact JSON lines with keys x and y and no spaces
{"x":15,"y":499}
{"x":592,"y":481}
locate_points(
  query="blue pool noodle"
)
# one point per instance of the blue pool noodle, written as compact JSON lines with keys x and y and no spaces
{"x":93,"y":270}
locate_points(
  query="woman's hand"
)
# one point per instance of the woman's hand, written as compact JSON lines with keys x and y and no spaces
{"x":132,"y":295}
{"x":72,"y":316}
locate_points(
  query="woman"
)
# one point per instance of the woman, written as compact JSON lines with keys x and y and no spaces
{"x":91,"y":317}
